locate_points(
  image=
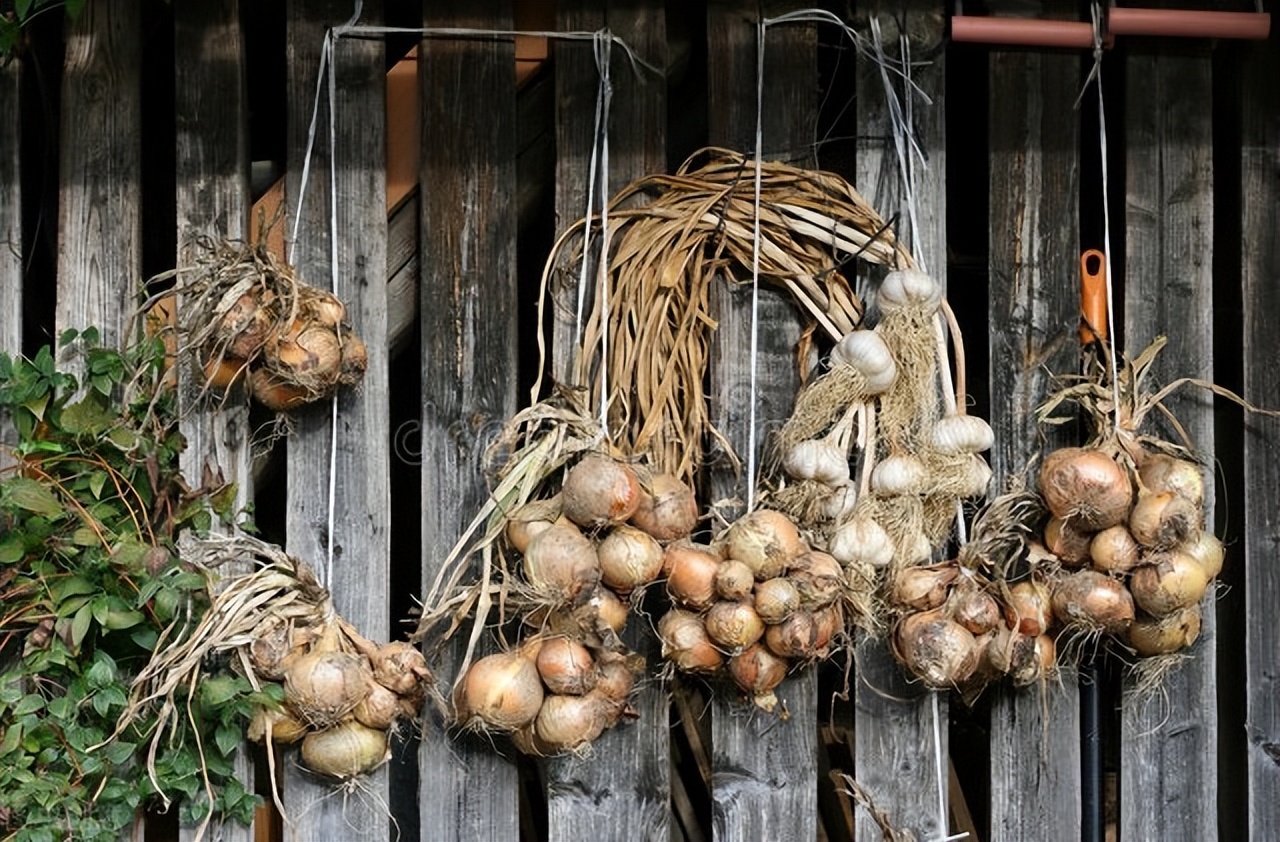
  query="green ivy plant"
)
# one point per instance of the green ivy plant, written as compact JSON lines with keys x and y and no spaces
{"x":91,"y":502}
{"x":16,"y":15}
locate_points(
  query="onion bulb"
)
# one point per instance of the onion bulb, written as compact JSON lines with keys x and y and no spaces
{"x":285,"y":727}
{"x":1068,"y":542}
{"x":956,"y":433}
{"x":764,"y":540}
{"x":1163,"y":520}
{"x":566,"y":723}
{"x":1165,"y":635}
{"x":245,"y":327}
{"x":345,"y":750}
{"x":1161,"y":472}
{"x":400,"y":667}
{"x":691,"y":574}
{"x":566,"y":667}
{"x":599,"y":491}
{"x":861,"y":540}
{"x":1113,"y":550}
{"x":668,"y":508}
{"x":865,"y":351}
{"x":776,"y":600}
{"x":899,"y":474}
{"x":530,"y":519}
{"x":939,"y":651}
{"x":818,"y":578}
{"x":909,"y":288}
{"x":1090,"y":600}
{"x":309,"y":351}
{"x":757,"y":670}
{"x":1167,"y":582}
{"x":355,"y":359}
{"x":734,"y":580}
{"x":379,"y":709}
{"x":1086,"y":487}
{"x":819,"y":460}
{"x":922,"y":588}
{"x":324,"y":686}
{"x":274,"y":393}
{"x":223,"y":372}
{"x":629,"y":558}
{"x":561,"y":563}
{"x":611,"y":610}
{"x":1029,"y":610}
{"x":830,"y":621}
{"x":796,"y":637}
{"x":734,"y":625}
{"x":502,"y":691}
{"x":974,"y":609}
{"x":685,"y":642}
{"x":1032,"y":659}
{"x":616,"y":679}
{"x":1208,"y":551}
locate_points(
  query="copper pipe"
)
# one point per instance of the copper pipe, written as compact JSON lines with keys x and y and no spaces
{"x":1022,"y":32}
{"x":1251,"y":26}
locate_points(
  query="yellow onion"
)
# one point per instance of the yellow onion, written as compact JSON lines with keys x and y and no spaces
{"x":974,"y":609}
{"x":1165,"y":635}
{"x":379,"y":709}
{"x":686,"y":644}
{"x":939,"y":651}
{"x":616,"y":679}
{"x":501,"y":691}
{"x":1032,"y":659}
{"x":861,"y":540}
{"x":1207,"y":550}
{"x":1086,"y":487}
{"x":1090,"y":600}
{"x":776,"y":600}
{"x":899,"y":474}
{"x":764,"y":540}
{"x":322,"y":306}
{"x":734,"y":625}
{"x":1113,"y":550}
{"x":322,"y":687}
{"x":610,"y":609}
{"x":530,"y":519}
{"x":355,"y":359}
{"x":245,"y":327}
{"x":1029,"y":610}
{"x":276,"y":394}
{"x":526,"y":742}
{"x":1163,"y":520}
{"x":818,"y":578}
{"x":757,"y":670}
{"x":223,"y":372}
{"x":1068,"y":542}
{"x":272,"y":649}
{"x":561,"y":563}
{"x":599,"y":491}
{"x":795,"y":637}
{"x":566,"y":667}
{"x":819,"y":460}
{"x":956,"y":433}
{"x":345,"y":750}
{"x":691,"y":574}
{"x":399,"y":666}
{"x":629,"y":558}
{"x":1167,"y":582}
{"x":734,"y":580}
{"x":285,"y":727}
{"x":668,"y":508}
{"x":922,"y":588}
{"x":309,"y":351}
{"x":1161,"y":472}
{"x":567,"y":723}
{"x":830,"y":621}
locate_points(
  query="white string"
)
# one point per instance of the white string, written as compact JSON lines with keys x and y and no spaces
{"x":603,"y":52}
{"x":903,"y":134}
{"x":755,"y":268}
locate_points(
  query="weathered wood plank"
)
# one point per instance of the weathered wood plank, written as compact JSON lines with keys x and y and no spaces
{"x":467,"y":789}
{"x":99,"y":203}
{"x":894,"y":719}
{"x":1260,"y":267}
{"x":764,"y":771}
{"x":360,"y":529}
{"x":11,"y":250}
{"x":212,"y":201}
{"x":1034,"y":309}
{"x":623,"y":789}
{"x":1168,"y":780}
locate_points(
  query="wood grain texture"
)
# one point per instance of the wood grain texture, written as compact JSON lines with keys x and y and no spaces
{"x":361,"y":525}
{"x":623,"y":789}
{"x":467,"y":788}
{"x":1260,"y":265}
{"x":1034,"y":308}
{"x":764,"y":771}
{"x":894,"y":719}
{"x":99,"y":202}
{"x":212,"y":201}
{"x":10,"y":230}
{"x":1168,"y":782}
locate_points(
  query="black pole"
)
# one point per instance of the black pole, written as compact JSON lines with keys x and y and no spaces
{"x":1091,"y":807}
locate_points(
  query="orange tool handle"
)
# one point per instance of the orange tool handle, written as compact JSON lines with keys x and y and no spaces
{"x":1093,"y":297}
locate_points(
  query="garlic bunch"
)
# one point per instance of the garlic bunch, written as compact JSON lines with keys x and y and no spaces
{"x":866,"y":352}
{"x":817,"y":459}
{"x":956,"y":433}
{"x":904,"y":288}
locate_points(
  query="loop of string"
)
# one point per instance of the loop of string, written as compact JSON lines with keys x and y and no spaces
{"x":599,"y":149}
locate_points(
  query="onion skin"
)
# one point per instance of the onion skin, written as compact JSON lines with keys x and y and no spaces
{"x":616,"y":680}
{"x":599,"y":491}
{"x":611,"y":610}
{"x":502,"y":691}
{"x":275,"y":394}
{"x":936,"y":650}
{"x":1165,"y":635}
{"x":1032,"y":659}
{"x":1090,"y":600}
{"x":686,"y":644}
{"x":668,"y":509}
{"x":776,"y":600}
{"x":734,"y":580}
{"x":1168,"y":581}
{"x":400,"y":667}
{"x":764,"y":540}
{"x":1113,"y":550}
{"x":1029,"y":611}
{"x":530,"y":519}
{"x":691,"y":575}
{"x":797,"y":637}
{"x":757,"y":670}
{"x":734,"y":625}
{"x":629,"y":558}
{"x":345,"y":750}
{"x":818,"y":578}
{"x":1067,"y":542}
{"x":566,"y":723}
{"x":285,"y":727}
{"x":1161,"y":472}
{"x":380,"y":709}
{"x":566,"y":667}
{"x":976,"y":610}
{"x":561,"y":563}
{"x":322,"y":687}
{"x":1086,"y":487}
{"x":1163,"y":520}
{"x":1208,"y":551}
{"x":922,"y":588}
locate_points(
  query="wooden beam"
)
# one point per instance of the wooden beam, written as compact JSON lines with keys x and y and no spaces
{"x":11,"y":244}
{"x":764,"y":779}
{"x":1033,"y":312}
{"x":360,"y":526}
{"x":1169,"y":750}
{"x":467,"y":788}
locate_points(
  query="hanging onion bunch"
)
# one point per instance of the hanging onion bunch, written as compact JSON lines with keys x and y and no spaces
{"x":246,"y":318}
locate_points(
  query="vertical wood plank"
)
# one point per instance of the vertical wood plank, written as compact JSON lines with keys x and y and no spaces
{"x":1033,"y":308}
{"x":764,"y":771}
{"x":212,"y":201}
{"x":1169,"y":743}
{"x":894,"y":718}
{"x":1260,"y":265}
{"x":99,"y":202}
{"x":10,"y":230}
{"x":623,"y":789}
{"x":360,"y":529}
{"x":467,"y":788}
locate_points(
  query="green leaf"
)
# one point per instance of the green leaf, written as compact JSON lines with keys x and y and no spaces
{"x":69,"y":335}
{"x":97,"y":480}
{"x":12,"y":548}
{"x":227,"y":738}
{"x":84,"y":537}
{"x":121,"y":619}
{"x":29,"y":703}
{"x":145,"y":638}
{"x":26,"y":493}
{"x":218,"y":690}
{"x":80,"y":625}
{"x":88,"y":415}
{"x":61,"y":707}
{"x":103,"y":671}
{"x":69,"y":587}
{"x":89,"y":334}
{"x":37,"y":405}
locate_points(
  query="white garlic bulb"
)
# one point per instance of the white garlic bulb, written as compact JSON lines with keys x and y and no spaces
{"x":916,"y":549}
{"x":909,"y":288}
{"x":817,"y":460}
{"x":863,"y":541}
{"x":977,"y":476}
{"x":899,"y":474}
{"x":866,"y":352}
{"x":956,"y":433}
